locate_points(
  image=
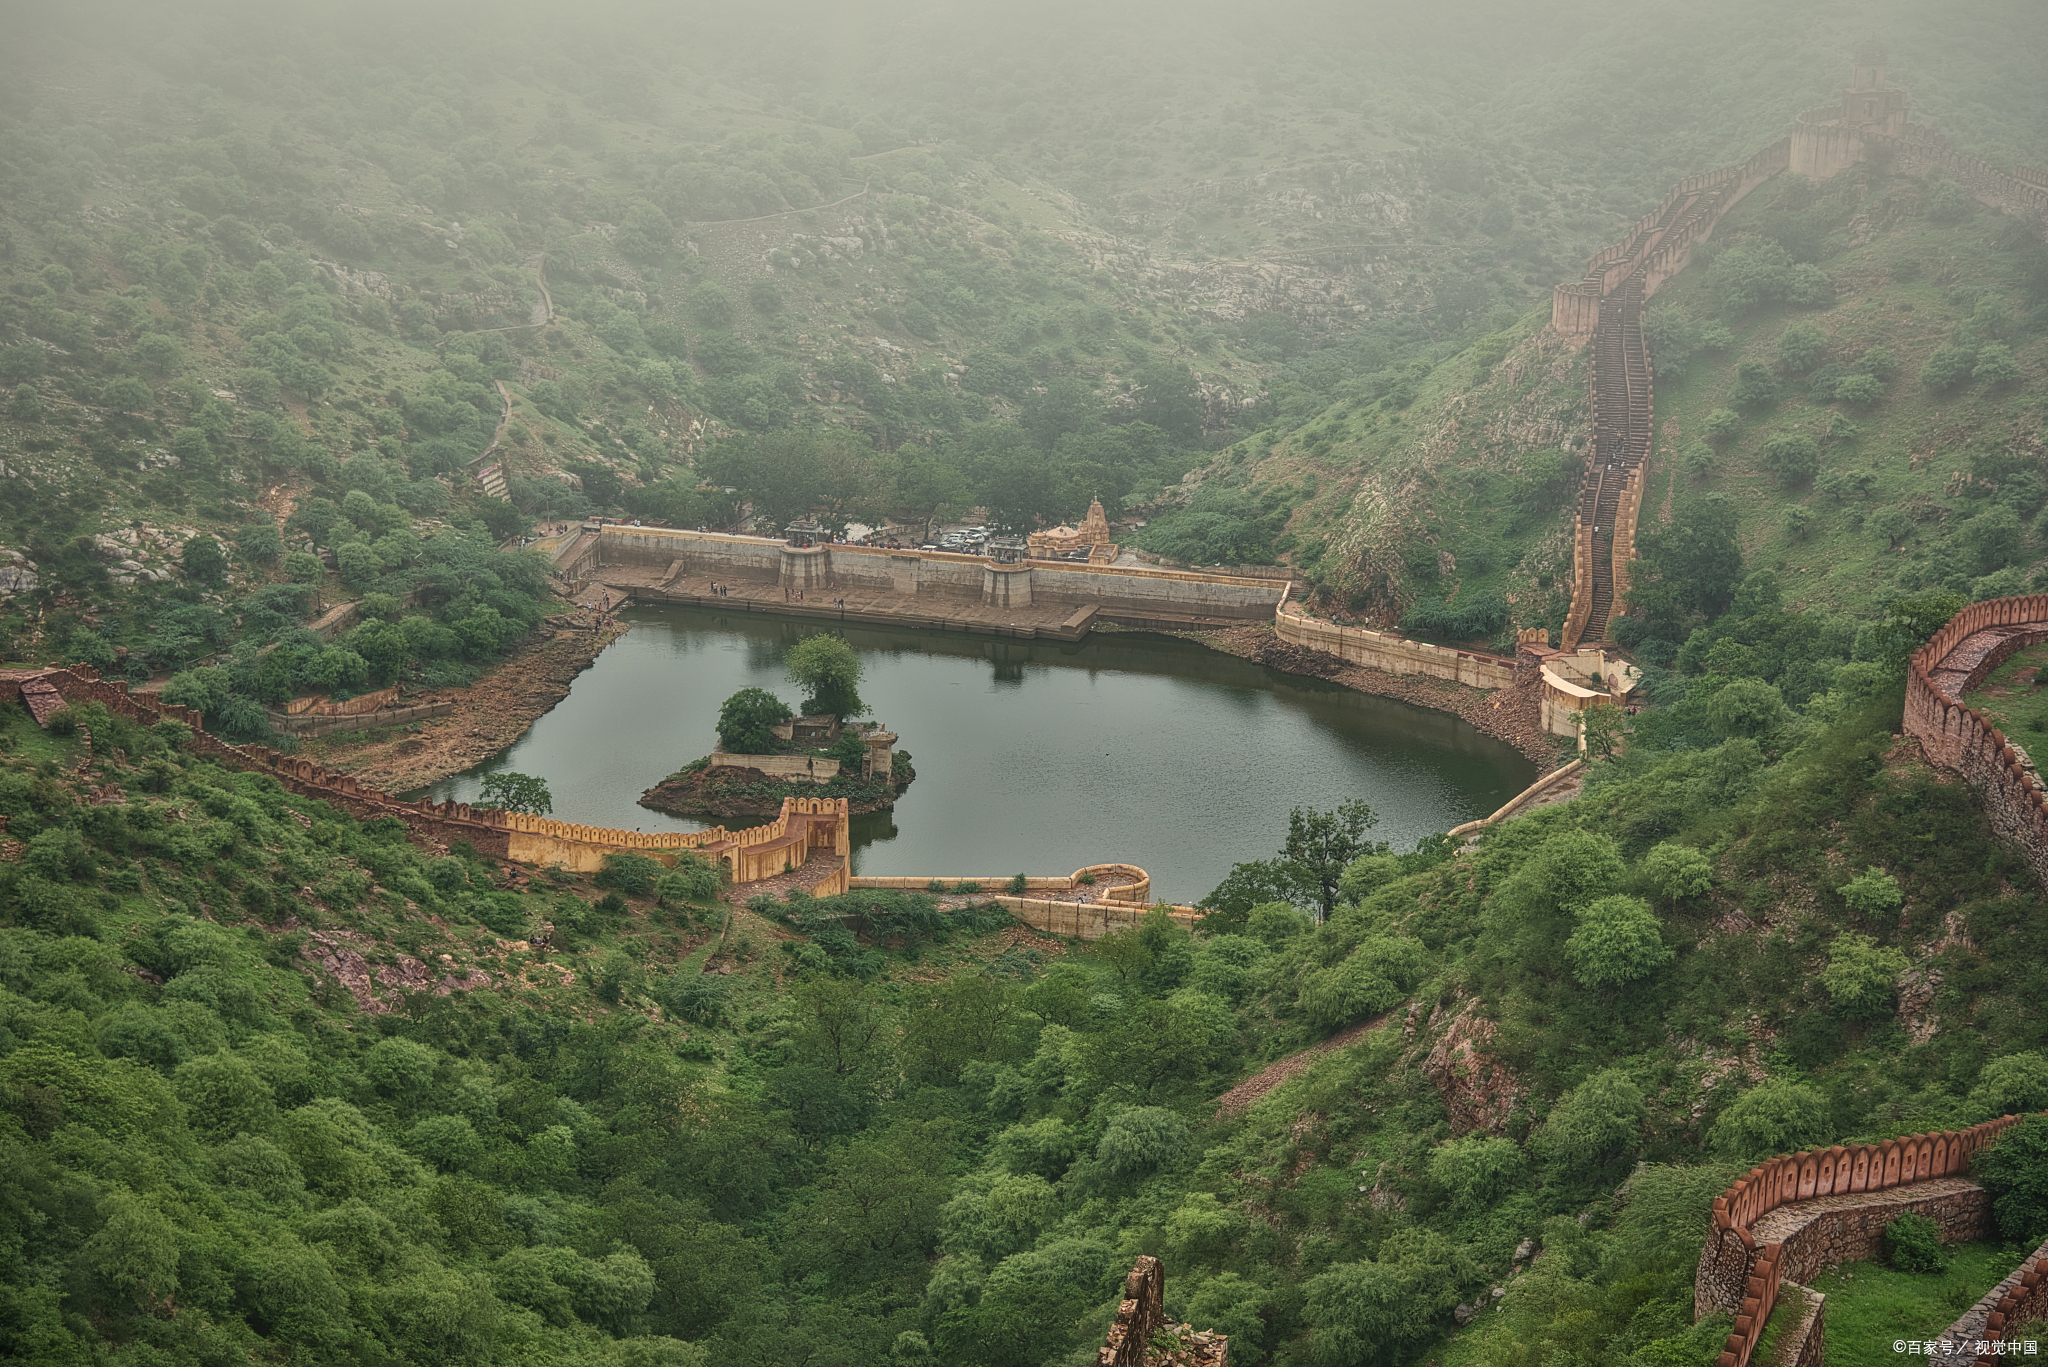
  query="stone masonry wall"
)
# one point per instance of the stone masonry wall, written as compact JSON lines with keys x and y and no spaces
{"x":945,"y":575}
{"x":1394,"y":654}
{"x":2020,"y":1298}
{"x":1959,"y":737}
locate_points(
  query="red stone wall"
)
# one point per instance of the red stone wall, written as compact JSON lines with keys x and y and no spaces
{"x":1961,"y":738}
{"x":1736,"y":1273}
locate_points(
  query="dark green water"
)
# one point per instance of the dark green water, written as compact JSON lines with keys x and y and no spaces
{"x":1033,"y":756}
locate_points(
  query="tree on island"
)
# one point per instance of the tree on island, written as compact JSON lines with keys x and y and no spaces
{"x":828,"y":671}
{"x":747,"y":722}
{"x":517,"y":793}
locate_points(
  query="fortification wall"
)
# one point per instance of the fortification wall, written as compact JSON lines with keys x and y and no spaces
{"x":1959,"y":737}
{"x":753,"y":853}
{"x":2020,"y":1298}
{"x":1854,"y":1191}
{"x":1394,"y":654}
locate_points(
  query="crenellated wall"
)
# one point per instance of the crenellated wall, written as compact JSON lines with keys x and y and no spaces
{"x":1972,"y":644}
{"x":751,"y":854}
{"x":1851,"y":1193}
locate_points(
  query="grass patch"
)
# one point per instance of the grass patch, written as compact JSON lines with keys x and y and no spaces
{"x":1870,"y":1304}
{"x":2013,"y":698}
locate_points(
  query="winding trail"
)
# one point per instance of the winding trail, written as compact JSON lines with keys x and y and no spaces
{"x":812,"y":209}
{"x":1239,"y":1099}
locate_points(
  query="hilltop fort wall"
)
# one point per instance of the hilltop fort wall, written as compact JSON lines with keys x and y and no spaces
{"x":1956,"y":736}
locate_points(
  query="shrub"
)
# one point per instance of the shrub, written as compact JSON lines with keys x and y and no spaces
{"x":1592,"y":1123}
{"x":1948,"y":366}
{"x":694,"y":878}
{"x":1756,"y":386}
{"x":1678,"y":871}
{"x":1019,"y":884}
{"x":1778,"y":1116}
{"x":1475,"y":1172}
{"x":1801,"y":346}
{"x":1995,"y":365}
{"x":2015,"y":1171}
{"x":1793,"y":456}
{"x":1912,"y":1243}
{"x":1617,"y":941}
{"x":1373,"y":978}
{"x":1721,"y":424}
{"x":1873,"y":892}
{"x":1861,"y":974}
{"x":631,"y":874}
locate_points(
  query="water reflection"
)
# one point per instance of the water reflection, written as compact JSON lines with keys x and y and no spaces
{"x":1034,"y":756}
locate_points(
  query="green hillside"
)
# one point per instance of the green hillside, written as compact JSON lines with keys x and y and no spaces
{"x":1878,"y":437}
{"x":914,"y":1136}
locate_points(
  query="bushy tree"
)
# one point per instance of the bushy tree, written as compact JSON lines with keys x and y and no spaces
{"x":2013,"y":1085}
{"x":2015,"y":1171}
{"x":1777,"y":1116}
{"x":512,"y":792}
{"x":1747,"y":708}
{"x":829,"y":671}
{"x":204,"y":562}
{"x":1617,"y":941}
{"x":1861,"y":975}
{"x":1793,"y":456}
{"x":1321,"y":845}
{"x":747,"y":722}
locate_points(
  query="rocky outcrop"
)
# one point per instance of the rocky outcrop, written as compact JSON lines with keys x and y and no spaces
{"x":1478,"y":1090}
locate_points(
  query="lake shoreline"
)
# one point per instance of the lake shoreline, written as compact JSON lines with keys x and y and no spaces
{"x":492,"y":714}
{"x":489,"y":717}
{"x":1512,"y":715}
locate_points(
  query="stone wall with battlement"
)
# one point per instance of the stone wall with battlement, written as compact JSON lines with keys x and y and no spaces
{"x":1796,"y":1215}
{"x":1956,"y":736}
{"x":751,"y":854}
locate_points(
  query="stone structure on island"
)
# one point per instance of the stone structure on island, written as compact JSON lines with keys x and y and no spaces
{"x":1092,"y":536}
{"x":1143,"y":1335}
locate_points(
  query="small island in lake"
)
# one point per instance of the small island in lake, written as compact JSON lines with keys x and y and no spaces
{"x":765,"y":753}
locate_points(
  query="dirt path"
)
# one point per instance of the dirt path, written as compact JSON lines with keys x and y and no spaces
{"x":1239,"y":1099}
{"x":815,"y":208}
{"x":1510,"y":714}
{"x":489,"y":715}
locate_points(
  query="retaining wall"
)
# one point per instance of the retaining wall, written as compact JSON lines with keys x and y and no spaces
{"x":1959,"y":737}
{"x":943,"y":575}
{"x":1138,"y":891}
{"x":1394,"y":654}
{"x":780,"y":766}
{"x":326,"y":724}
